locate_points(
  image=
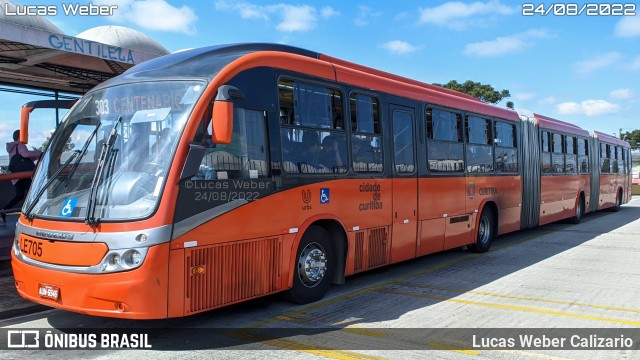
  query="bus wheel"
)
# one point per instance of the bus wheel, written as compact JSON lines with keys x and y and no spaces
{"x":486,"y":231}
{"x":618,"y":204}
{"x":315,"y":263}
{"x":579,"y":212}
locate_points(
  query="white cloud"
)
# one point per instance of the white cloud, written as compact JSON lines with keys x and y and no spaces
{"x":456,"y":15}
{"x":588,"y":107}
{"x":635,"y":65}
{"x":154,"y":15}
{"x":597,"y":62}
{"x":628,"y":26}
{"x":549,"y":100}
{"x":290,"y":17}
{"x":296,"y":18}
{"x":505,"y":44}
{"x":622,"y":94}
{"x":400,"y":47}
{"x":328,"y":12}
{"x":524,"y":96}
{"x":365,"y":14}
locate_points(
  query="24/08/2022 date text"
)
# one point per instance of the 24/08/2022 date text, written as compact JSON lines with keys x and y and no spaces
{"x":574,"y":9}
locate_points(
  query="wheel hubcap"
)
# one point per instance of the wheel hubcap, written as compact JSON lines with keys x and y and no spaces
{"x":484,"y":230}
{"x":312,"y":265}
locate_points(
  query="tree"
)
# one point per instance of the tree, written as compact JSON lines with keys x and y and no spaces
{"x":632,"y":137}
{"x":69,"y":146}
{"x":484,"y":92}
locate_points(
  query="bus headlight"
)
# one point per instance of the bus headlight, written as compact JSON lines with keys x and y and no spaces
{"x":113,"y":261}
{"x":123,"y":259}
{"x":132,"y":258}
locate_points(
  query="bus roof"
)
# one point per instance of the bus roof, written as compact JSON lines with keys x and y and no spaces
{"x":545,"y":122}
{"x":205,"y":63}
{"x":610,"y":139}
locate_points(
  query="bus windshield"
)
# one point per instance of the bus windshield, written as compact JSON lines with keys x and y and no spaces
{"x":109,"y":158}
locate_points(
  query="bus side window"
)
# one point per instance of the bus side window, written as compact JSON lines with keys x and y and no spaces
{"x":403,"y":142}
{"x":246,"y":156}
{"x":366,"y":141}
{"x":570,"y":157}
{"x":583,"y":158}
{"x":546,"y":152}
{"x":605,"y":164}
{"x":479,"y":145}
{"x":445,"y":150}
{"x":506,"y":147}
{"x":312,"y":131}
{"x":557,"y":156}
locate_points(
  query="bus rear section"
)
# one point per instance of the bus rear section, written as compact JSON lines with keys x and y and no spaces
{"x":614,"y":185}
{"x":565,"y":175}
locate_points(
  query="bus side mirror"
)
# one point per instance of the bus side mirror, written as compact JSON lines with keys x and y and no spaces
{"x":24,"y":123}
{"x":222,"y":115}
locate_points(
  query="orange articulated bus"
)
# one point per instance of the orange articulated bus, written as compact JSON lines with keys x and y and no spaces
{"x":615,"y":172}
{"x":216,"y":175}
{"x":565,"y":185}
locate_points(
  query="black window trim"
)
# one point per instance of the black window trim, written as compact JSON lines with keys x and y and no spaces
{"x":318,"y":82}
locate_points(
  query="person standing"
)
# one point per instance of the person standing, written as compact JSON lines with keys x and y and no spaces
{"x":21,"y":186}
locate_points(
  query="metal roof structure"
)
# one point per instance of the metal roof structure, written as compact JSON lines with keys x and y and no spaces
{"x":35,"y":53}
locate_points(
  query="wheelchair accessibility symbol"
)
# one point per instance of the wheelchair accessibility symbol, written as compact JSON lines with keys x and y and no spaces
{"x":324,"y":196}
{"x":69,"y":206}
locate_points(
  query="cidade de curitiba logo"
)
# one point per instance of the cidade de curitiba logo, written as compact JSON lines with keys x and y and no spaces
{"x":69,"y":9}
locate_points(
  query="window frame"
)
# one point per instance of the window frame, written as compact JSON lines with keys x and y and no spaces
{"x":292,"y":126}
{"x":513,"y":148}
{"x":354,"y":133}
{"x":430,"y":141}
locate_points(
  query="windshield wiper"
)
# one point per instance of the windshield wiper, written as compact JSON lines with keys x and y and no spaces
{"x":103,"y":162}
{"x":82,"y":153}
{"x":77,"y":155}
{"x":33,"y":203}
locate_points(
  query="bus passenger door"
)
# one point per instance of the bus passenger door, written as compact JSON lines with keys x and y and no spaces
{"x":405,"y":184}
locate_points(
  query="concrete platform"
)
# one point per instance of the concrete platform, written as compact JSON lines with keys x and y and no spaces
{"x":11,"y":304}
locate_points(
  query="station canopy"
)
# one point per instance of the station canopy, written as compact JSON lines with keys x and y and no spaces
{"x":35,"y":53}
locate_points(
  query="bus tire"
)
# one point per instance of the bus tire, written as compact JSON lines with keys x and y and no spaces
{"x":579,"y":212}
{"x":618,"y":204}
{"x":485,"y":232}
{"x":315,"y":264}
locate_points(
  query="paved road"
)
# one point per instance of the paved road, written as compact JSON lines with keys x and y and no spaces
{"x":574,"y":277}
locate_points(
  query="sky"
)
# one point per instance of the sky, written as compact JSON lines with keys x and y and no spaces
{"x":580,"y":69}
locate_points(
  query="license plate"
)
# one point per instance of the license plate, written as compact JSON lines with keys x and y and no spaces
{"x":49,"y":291}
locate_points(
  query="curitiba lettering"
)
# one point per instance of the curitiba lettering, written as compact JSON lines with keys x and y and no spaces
{"x":376,"y":202}
{"x":88,"y":47}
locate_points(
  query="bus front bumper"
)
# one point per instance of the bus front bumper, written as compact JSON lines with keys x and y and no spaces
{"x":140,"y":293}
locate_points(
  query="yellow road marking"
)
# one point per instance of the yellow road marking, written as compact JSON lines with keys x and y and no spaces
{"x":303,"y":347}
{"x":361,"y":331}
{"x":551,"y":301}
{"x":532,"y":354}
{"x":439,"y":346}
{"x":516,"y":308}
